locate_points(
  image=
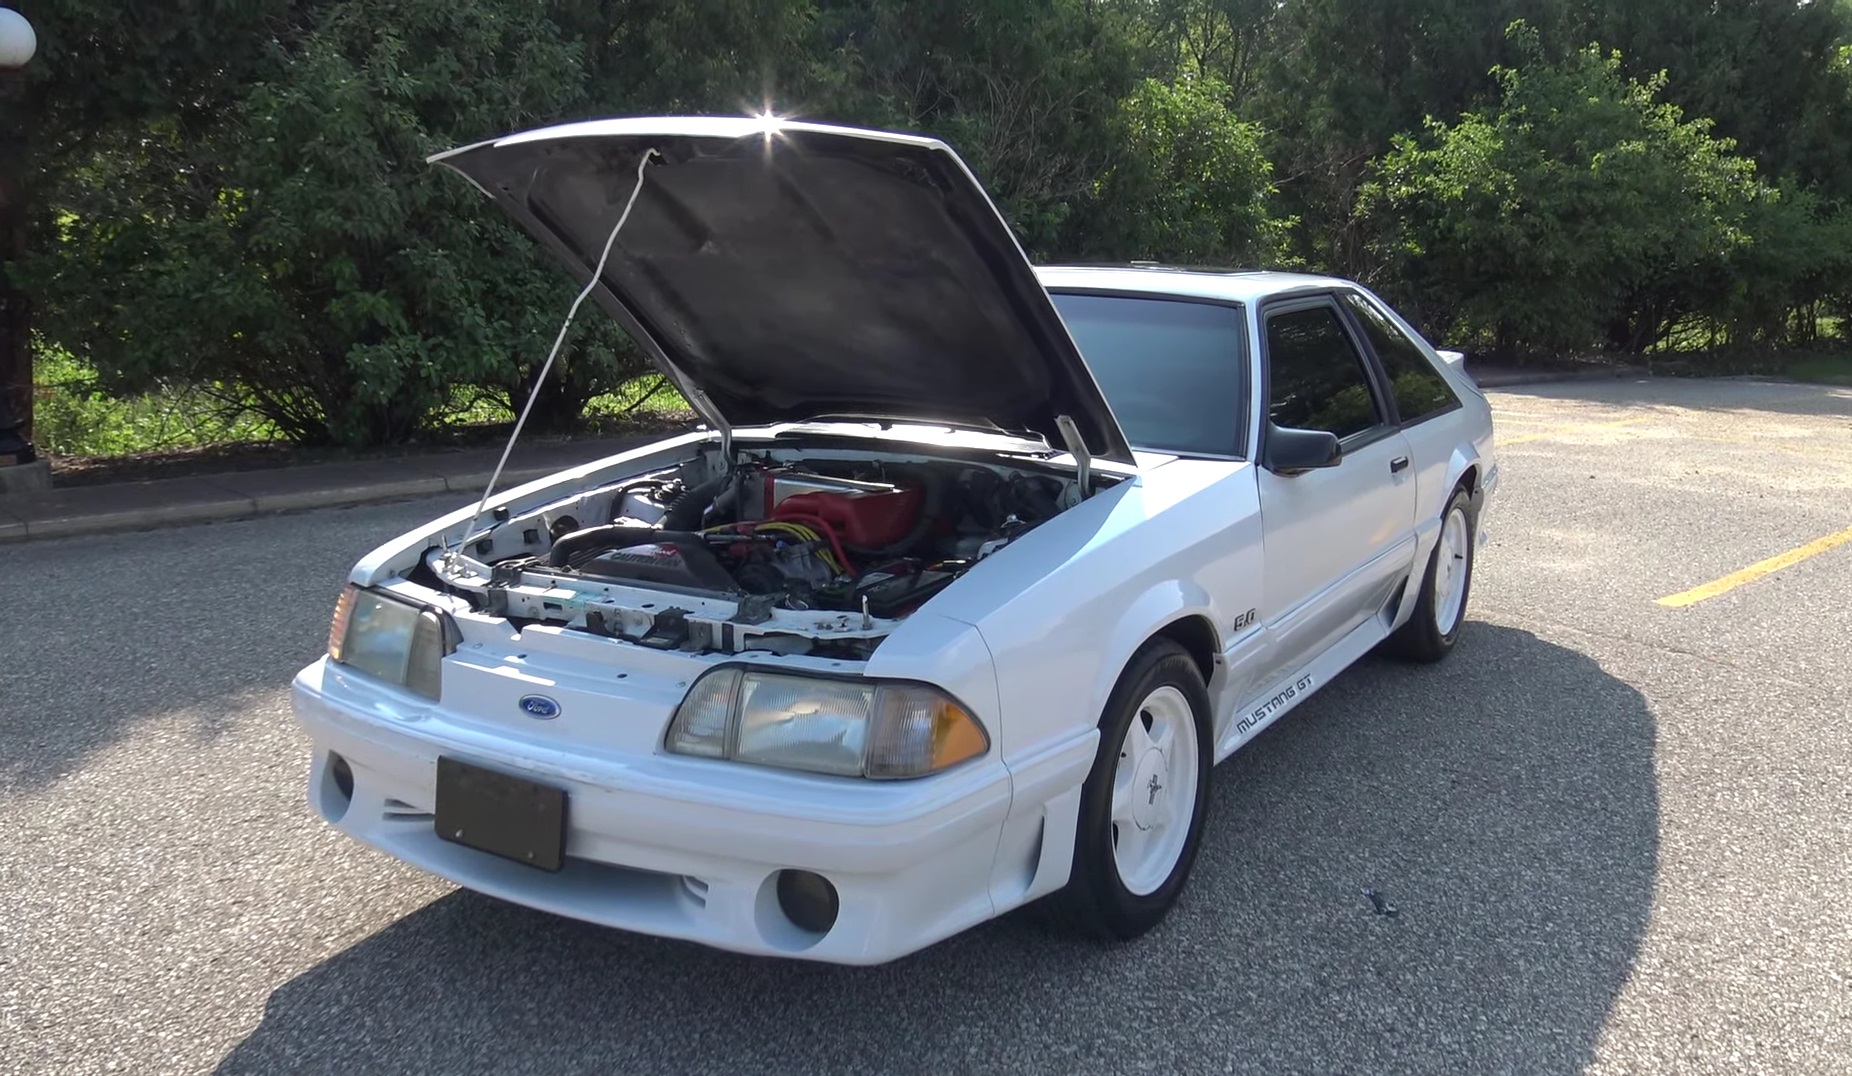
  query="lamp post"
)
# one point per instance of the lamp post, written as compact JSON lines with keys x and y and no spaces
{"x":17,"y":44}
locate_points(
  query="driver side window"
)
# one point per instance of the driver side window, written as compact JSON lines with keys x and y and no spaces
{"x":1316,"y":377}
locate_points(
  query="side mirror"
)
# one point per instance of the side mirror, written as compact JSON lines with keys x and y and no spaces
{"x":1290,"y":452}
{"x":1452,"y":358}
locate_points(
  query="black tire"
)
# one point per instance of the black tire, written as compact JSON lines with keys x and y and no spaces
{"x":1096,"y":902}
{"x":1421,"y":640}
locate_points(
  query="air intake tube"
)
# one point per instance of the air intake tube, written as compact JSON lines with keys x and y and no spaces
{"x":685,"y":512}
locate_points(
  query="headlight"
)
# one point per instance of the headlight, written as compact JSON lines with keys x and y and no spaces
{"x":851,"y":728}
{"x":397,"y":641}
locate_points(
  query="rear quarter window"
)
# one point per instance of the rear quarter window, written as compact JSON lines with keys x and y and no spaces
{"x":1419,"y":389}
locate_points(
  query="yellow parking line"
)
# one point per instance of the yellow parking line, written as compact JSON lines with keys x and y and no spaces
{"x":1757,"y":570}
{"x":1561,"y":430}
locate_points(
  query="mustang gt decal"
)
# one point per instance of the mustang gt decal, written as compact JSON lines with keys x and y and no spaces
{"x":1272,"y":706}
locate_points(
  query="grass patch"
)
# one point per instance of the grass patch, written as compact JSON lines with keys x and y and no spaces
{"x":649,"y":396}
{"x":1827,"y":366}
{"x":73,"y":417}
{"x":1824,"y":369}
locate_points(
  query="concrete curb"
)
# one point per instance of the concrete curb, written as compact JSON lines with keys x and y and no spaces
{"x":31,"y":477}
{"x":221,"y":498}
{"x":1504,"y":379}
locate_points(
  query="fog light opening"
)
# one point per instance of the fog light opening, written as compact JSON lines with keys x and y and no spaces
{"x":343,"y":775}
{"x":808,"y":900}
{"x":337,"y":788}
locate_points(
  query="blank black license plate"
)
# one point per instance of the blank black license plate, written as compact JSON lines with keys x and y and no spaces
{"x":505,"y":816}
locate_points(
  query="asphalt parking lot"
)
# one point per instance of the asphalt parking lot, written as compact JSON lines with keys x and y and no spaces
{"x":1617,"y":823}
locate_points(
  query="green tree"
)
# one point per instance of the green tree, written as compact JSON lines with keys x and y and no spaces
{"x":1767,"y":72}
{"x":1578,"y":208}
{"x":232,"y":194}
{"x":1343,"y":77}
{"x":1026,"y":92}
{"x":298,"y":252}
{"x":1231,"y":41}
{"x":1188,"y":182}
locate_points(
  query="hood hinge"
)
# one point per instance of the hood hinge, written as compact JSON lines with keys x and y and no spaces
{"x":1083,"y":460}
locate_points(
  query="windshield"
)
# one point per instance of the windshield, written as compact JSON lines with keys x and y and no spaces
{"x":1173,"y":370}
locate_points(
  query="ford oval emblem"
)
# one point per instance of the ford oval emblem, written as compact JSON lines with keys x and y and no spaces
{"x":539,"y":706}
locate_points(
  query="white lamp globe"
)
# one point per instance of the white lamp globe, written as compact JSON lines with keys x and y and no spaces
{"x":17,"y":41}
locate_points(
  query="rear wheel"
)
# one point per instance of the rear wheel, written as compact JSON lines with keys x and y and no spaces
{"x":1141,"y":810}
{"x":1440,"y":609}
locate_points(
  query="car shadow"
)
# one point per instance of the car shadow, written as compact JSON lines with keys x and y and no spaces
{"x":1502,"y":802}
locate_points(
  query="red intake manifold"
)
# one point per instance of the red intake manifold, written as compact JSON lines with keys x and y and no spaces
{"x":861,"y":514}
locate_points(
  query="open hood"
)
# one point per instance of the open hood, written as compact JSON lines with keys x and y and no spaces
{"x":783,"y":271}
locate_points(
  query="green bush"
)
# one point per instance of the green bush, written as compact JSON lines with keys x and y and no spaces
{"x":1188,"y":182}
{"x":300,"y":248}
{"x":1578,"y":209}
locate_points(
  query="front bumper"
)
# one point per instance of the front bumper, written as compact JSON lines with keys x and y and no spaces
{"x":690,"y":848}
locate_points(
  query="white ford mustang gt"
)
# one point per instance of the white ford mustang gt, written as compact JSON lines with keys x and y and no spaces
{"x":934,"y":617}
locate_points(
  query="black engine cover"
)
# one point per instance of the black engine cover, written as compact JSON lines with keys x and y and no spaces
{"x":667,"y":559}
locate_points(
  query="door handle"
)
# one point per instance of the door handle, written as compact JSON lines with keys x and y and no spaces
{"x":1398,"y":465}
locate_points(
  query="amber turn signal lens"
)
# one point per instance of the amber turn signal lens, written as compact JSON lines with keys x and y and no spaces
{"x":955,"y":736}
{"x":918,"y":731}
{"x":343,"y":611}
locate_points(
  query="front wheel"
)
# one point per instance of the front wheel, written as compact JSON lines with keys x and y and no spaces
{"x":1141,"y":810}
{"x":1440,"y":609}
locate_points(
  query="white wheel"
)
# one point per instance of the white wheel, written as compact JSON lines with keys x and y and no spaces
{"x":1446,"y":585}
{"x":1450,"y":570}
{"x":1154,"y":791}
{"x":1142,"y":808}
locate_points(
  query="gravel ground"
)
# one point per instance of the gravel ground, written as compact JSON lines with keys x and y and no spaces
{"x":1619,"y":835}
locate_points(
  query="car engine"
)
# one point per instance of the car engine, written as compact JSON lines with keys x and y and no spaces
{"x":882,"y":540}
{"x":825,"y":555}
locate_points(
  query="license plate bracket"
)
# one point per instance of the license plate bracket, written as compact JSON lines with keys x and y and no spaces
{"x":500,"y":814}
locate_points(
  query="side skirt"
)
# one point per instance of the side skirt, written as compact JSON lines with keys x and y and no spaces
{"x":1252,"y":717}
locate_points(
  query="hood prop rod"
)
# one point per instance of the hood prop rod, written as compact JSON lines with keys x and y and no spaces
{"x":1083,"y":460}
{"x":547,"y":367}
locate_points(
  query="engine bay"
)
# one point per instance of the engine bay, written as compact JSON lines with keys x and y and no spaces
{"x":819,"y":553}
